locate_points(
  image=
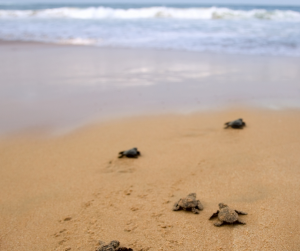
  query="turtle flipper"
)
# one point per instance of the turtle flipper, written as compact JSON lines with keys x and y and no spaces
{"x":240,"y":212}
{"x":219,"y":223}
{"x":214,"y":215}
{"x":195,"y":210}
{"x":241,"y":222}
{"x":199,"y":205}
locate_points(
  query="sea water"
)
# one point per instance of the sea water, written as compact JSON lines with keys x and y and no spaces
{"x":243,"y":29}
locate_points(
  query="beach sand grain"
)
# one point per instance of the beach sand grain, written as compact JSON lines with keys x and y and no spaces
{"x":69,"y":192}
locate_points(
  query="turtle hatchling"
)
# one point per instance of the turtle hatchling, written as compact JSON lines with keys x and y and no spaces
{"x":236,"y":124}
{"x":131,"y":153}
{"x":112,"y":246}
{"x":188,"y":203}
{"x":227,"y":215}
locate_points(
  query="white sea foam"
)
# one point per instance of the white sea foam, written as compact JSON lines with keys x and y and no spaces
{"x":152,"y":12}
{"x":256,"y":31}
{"x":78,"y":41}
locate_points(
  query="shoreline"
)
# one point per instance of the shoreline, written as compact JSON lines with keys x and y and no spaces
{"x":212,"y":53}
{"x":47,"y":132}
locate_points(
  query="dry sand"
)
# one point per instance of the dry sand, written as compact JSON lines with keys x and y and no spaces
{"x":69,"y":192}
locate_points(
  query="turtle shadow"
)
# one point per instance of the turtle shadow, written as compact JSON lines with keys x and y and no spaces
{"x":232,"y":225}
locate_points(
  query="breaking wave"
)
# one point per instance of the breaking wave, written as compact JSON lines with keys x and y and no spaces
{"x":152,"y":12}
{"x":261,"y":30}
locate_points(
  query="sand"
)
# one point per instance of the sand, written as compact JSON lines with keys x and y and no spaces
{"x":68,"y":192}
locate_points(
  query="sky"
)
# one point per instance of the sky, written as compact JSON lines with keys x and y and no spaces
{"x":250,"y":2}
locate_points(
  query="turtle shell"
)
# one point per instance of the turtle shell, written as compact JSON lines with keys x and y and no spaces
{"x":131,"y":152}
{"x":188,"y":203}
{"x":228,"y":215}
{"x":236,"y":123}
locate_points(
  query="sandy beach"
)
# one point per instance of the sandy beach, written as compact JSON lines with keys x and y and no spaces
{"x":256,"y":170}
{"x":68,"y":190}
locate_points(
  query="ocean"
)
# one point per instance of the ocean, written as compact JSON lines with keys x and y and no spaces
{"x":238,"y":29}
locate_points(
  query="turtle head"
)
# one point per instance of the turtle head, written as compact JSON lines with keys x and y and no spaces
{"x":193,"y":195}
{"x":115,"y":244}
{"x":222,"y":205}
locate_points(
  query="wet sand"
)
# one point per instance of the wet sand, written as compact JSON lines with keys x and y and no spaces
{"x":53,"y":87}
{"x":69,"y":192}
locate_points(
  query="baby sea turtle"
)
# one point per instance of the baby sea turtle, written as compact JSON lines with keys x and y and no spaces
{"x":112,"y":246}
{"x":236,"y":124}
{"x":131,"y":153}
{"x":188,"y":203}
{"x":227,"y":215}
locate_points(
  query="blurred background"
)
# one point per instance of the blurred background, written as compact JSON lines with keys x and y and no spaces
{"x":250,"y":27}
